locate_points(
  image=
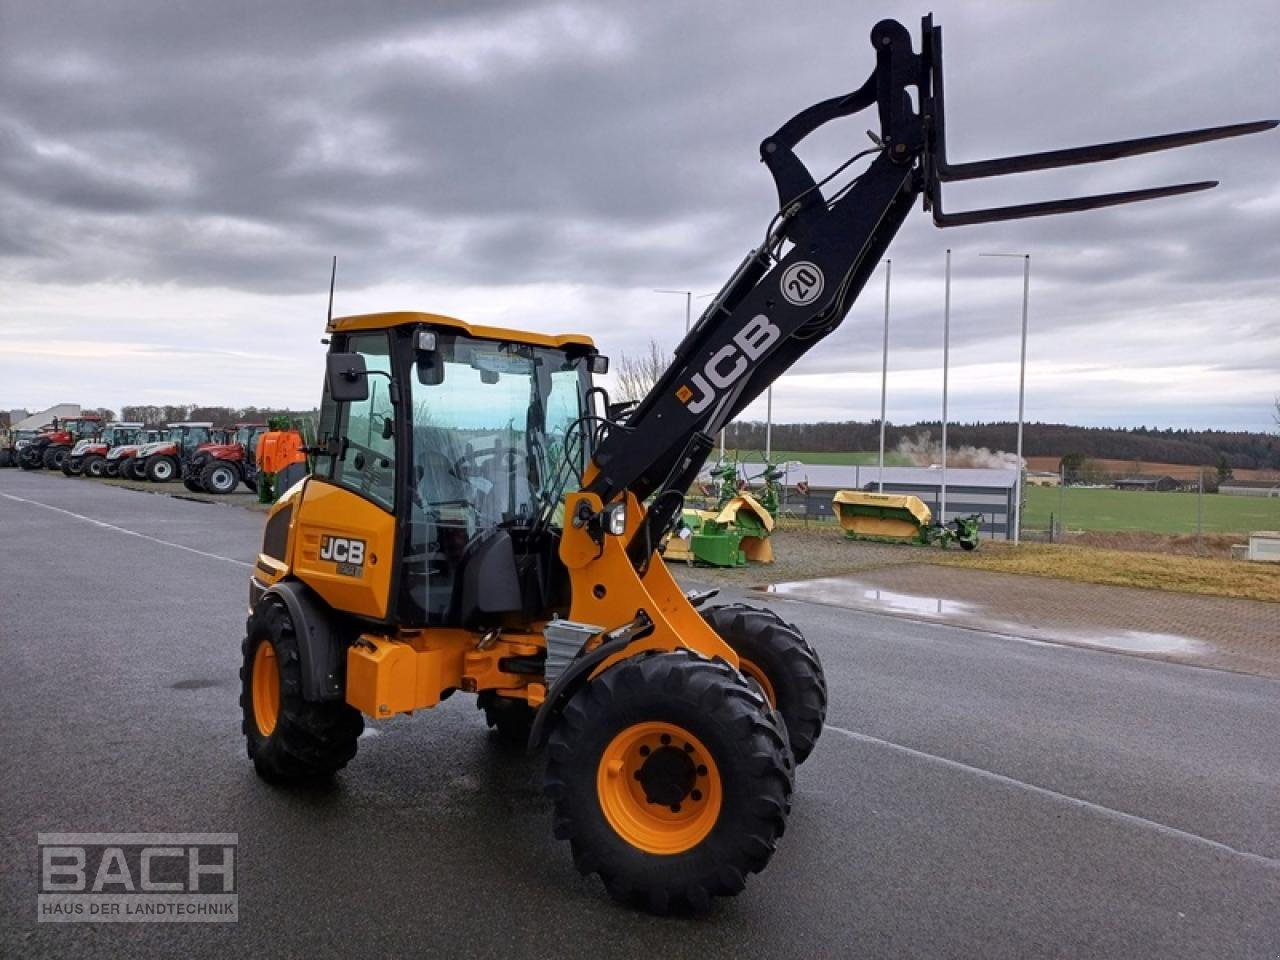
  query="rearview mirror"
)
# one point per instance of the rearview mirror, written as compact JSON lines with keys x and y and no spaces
{"x":348,"y":380}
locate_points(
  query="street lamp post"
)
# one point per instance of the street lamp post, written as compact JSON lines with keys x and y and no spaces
{"x":688,"y":305}
{"x":946,"y":349}
{"x":884,"y":370}
{"x":1022,"y":378}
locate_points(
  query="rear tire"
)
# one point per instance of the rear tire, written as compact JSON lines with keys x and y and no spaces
{"x":288,"y":738}
{"x":671,"y":779}
{"x":219,"y":477}
{"x":93,"y":465}
{"x":776,"y":655}
{"x":53,"y":457}
{"x":161,"y":468}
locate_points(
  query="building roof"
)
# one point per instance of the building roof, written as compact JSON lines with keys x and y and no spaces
{"x":45,"y":417}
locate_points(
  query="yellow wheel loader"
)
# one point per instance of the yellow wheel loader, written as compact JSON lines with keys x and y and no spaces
{"x":479,"y":519}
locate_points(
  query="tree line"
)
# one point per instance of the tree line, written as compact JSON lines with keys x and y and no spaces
{"x":160,"y":414}
{"x":1241,"y":449}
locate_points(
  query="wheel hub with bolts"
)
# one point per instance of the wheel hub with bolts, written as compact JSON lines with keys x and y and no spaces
{"x":659,"y":787}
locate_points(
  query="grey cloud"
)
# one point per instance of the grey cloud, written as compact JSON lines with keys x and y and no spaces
{"x":238,"y":145}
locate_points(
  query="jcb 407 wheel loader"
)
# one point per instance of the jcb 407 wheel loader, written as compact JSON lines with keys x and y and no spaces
{"x":478,"y":521}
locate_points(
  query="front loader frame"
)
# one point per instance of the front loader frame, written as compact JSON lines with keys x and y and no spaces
{"x":818,"y":254}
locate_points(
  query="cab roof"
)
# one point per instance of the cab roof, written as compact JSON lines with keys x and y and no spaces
{"x":380,"y":321}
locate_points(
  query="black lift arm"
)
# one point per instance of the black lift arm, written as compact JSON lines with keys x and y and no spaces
{"x":818,"y":254}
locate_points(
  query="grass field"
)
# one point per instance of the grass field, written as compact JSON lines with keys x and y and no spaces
{"x":1118,"y":510}
{"x":844,"y":459}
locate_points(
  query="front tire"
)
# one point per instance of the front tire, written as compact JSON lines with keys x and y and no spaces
{"x":160,"y":468}
{"x":778,"y":657}
{"x":671,"y":779}
{"x":219,"y":477}
{"x":93,"y":465}
{"x":288,"y":738}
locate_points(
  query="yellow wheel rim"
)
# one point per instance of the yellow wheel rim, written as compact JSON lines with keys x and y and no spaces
{"x":659,"y":788}
{"x":749,"y":669}
{"x":266,"y":688}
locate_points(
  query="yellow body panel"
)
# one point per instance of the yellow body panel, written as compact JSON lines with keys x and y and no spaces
{"x":411,"y":671}
{"x":745,"y":501}
{"x":880,"y":527}
{"x":607,"y":591}
{"x":888,"y":516}
{"x":913,"y":505}
{"x":326,"y":511}
{"x":381,"y":321}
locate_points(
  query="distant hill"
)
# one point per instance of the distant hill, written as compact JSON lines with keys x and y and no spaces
{"x":1242,"y":449}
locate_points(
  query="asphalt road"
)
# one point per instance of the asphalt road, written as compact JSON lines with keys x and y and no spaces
{"x":974,"y":796}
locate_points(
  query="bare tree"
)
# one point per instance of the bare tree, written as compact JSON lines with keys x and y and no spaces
{"x":637,"y":373}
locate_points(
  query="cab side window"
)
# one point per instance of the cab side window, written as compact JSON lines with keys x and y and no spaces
{"x":364,"y":430}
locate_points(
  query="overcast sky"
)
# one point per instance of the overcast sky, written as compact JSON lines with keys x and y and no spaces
{"x":174,"y":177}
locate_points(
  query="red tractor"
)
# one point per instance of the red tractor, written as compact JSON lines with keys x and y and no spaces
{"x":90,"y":456}
{"x":50,"y":447}
{"x":162,"y":460}
{"x":219,"y":467}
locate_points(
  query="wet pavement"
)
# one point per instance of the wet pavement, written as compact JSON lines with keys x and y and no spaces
{"x":973,"y":795}
{"x":1218,"y":632}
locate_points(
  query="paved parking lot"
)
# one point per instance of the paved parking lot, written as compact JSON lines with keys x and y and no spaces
{"x":974,"y":795}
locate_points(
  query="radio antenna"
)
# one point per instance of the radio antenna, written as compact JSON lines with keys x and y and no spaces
{"x":333,"y":275}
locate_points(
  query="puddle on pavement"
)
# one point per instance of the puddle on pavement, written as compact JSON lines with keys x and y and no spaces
{"x":858,"y":594}
{"x":845,"y":592}
{"x":1135,"y":641}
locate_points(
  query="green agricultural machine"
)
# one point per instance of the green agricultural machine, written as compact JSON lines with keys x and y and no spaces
{"x":734,"y":533}
{"x":895,"y":518}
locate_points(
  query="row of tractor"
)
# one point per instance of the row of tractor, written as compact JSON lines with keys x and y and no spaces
{"x":207,"y":459}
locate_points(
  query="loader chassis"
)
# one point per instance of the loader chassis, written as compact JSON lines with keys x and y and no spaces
{"x":478,"y":521}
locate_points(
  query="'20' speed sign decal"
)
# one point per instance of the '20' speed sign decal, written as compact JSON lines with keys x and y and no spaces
{"x":802,"y":283}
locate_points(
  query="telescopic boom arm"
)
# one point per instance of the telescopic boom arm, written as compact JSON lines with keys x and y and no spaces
{"x":817,"y":256}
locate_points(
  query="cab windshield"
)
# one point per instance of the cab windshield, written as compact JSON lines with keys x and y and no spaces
{"x":491,"y":436}
{"x":497,"y":435}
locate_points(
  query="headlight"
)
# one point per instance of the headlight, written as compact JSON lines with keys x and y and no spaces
{"x":617,"y":519}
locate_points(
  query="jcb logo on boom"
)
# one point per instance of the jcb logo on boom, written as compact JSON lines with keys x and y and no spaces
{"x":727,"y":365}
{"x":342,"y":551}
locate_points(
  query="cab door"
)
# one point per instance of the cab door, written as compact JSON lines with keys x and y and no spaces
{"x":344,"y":536}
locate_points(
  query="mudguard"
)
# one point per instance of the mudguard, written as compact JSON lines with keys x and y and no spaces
{"x":323,"y":653}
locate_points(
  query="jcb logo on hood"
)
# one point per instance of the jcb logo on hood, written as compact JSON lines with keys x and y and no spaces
{"x":727,"y":365}
{"x":342,"y":551}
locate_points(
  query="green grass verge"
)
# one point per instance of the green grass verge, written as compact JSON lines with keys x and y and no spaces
{"x":1175,"y":513}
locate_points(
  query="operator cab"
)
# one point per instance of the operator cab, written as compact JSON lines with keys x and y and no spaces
{"x":469,"y":436}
